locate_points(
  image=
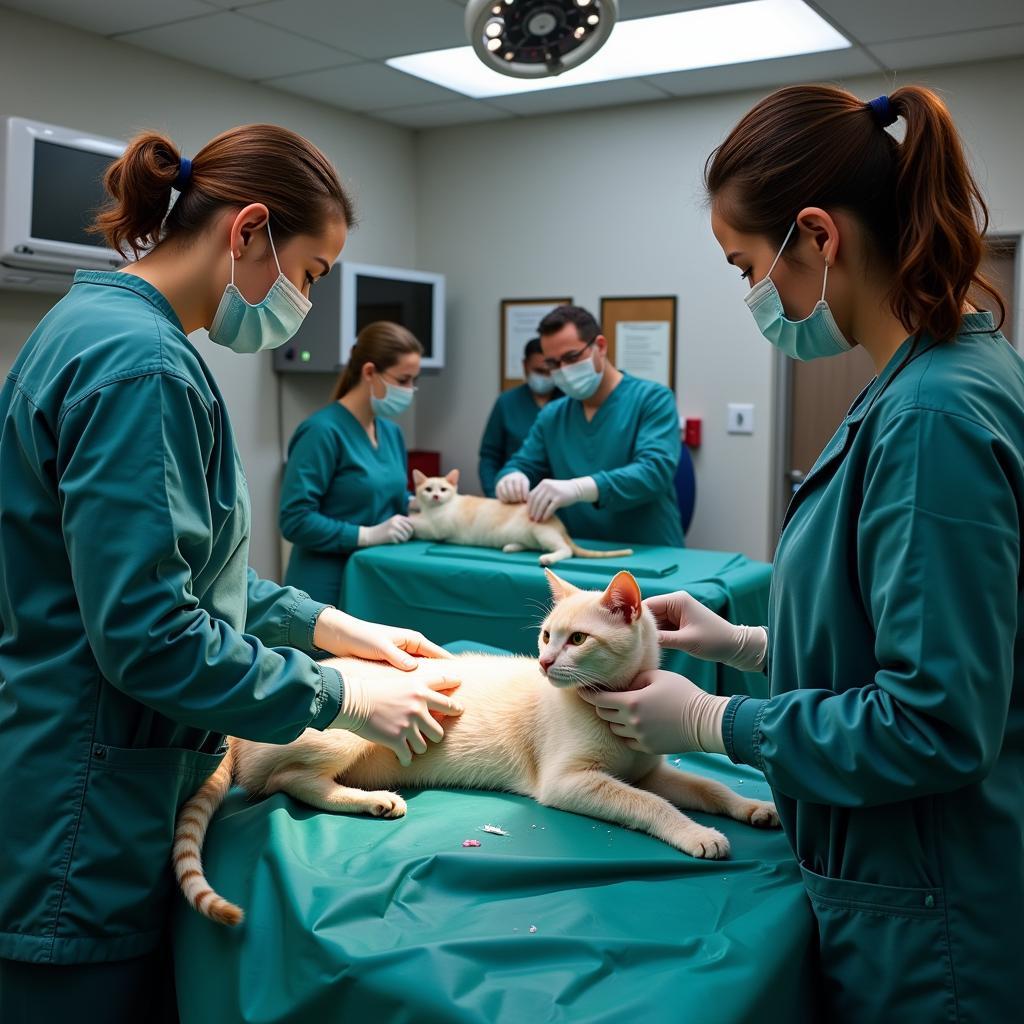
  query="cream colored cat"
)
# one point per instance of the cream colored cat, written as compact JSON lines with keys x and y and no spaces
{"x":524,"y":730}
{"x":446,"y":515}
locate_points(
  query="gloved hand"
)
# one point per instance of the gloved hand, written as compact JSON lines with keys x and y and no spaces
{"x":684,"y":624}
{"x":513,"y":489}
{"x":397,"y":713}
{"x":395,"y":530}
{"x":346,"y":636}
{"x":663,"y":713}
{"x":551,"y":495}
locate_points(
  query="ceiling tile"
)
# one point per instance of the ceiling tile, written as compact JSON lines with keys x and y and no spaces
{"x":367,"y":86}
{"x":809,"y":67}
{"x":238,"y":46}
{"x":874,"y":21}
{"x":629,"y":9}
{"x":369,"y":28}
{"x":111,"y":16}
{"x":957,"y":48}
{"x":578,"y":97}
{"x":439,"y":115}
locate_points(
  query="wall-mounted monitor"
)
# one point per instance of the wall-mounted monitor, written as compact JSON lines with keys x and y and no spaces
{"x":353,"y":295}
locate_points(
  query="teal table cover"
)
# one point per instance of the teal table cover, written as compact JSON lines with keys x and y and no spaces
{"x":565,"y":919}
{"x":450,"y":592}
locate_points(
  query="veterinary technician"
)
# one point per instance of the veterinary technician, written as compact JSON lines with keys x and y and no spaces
{"x":514,"y":414}
{"x":605,"y":460}
{"x":132,"y":633}
{"x":345,"y":482}
{"x":893,"y":738}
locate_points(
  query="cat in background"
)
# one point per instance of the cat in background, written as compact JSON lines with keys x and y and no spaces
{"x":446,"y":515}
{"x":524,"y":729}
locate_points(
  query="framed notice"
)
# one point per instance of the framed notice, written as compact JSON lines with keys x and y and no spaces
{"x":519,"y":321}
{"x":641,"y":335}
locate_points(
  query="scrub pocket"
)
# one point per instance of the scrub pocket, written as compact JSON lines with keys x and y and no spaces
{"x":119,"y":881}
{"x":884,"y":951}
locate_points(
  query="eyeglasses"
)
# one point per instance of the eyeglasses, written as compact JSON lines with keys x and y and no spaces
{"x":569,"y":358}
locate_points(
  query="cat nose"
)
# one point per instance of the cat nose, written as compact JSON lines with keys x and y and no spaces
{"x":546,"y":663}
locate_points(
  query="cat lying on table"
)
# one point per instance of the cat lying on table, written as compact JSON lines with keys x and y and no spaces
{"x":446,"y":515}
{"x":524,"y":729}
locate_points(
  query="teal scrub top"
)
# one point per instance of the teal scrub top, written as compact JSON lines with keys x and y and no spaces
{"x":335,"y":481}
{"x":510,"y":421}
{"x":893,"y":738}
{"x":133,"y":635}
{"x":631,"y":448}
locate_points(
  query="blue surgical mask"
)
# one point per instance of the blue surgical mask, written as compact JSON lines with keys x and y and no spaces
{"x":540,"y":384}
{"x":811,"y":338}
{"x":395,"y":401}
{"x":243,"y":327}
{"x":578,"y":380}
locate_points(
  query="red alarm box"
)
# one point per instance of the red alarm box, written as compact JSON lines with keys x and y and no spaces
{"x":428,"y":463}
{"x":691,"y":432}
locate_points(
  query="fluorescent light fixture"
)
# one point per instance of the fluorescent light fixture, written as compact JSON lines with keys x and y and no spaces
{"x":705,"y":38}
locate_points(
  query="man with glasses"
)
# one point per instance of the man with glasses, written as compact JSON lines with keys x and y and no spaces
{"x":513,"y":415}
{"x":605,"y":459}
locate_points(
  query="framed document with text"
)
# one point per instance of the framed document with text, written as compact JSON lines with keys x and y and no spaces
{"x":641,"y":333}
{"x":519,"y":321}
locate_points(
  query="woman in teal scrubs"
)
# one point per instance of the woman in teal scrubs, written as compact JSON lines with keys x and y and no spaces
{"x":513,"y":415}
{"x":893,"y":737}
{"x":346,"y":480}
{"x":133,"y":635}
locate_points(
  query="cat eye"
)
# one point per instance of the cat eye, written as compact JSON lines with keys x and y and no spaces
{"x":546,"y":637}
{"x":578,"y":638}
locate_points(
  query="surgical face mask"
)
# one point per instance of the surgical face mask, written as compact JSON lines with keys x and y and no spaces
{"x":578,"y":380}
{"x":540,"y":384}
{"x":395,"y":401}
{"x":269,"y":323}
{"x":811,"y":338}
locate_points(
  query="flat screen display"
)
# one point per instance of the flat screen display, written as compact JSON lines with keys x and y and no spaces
{"x":67,"y":190}
{"x":409,"y":303}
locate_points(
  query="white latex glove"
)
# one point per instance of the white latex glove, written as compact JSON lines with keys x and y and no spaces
{"x":397,"y":713}
{"x":684,"y":624}
{"x":663,"y":713}
{"x":395,"y":530}
{"x":551,"y":495}
{"x":346,"y":636}
{"x":513,"y":489}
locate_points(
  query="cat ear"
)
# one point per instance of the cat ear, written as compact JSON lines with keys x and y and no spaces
{"x":453,"y":478}
{"x":623,"y":597}
{"x":559,"y":588}
{"x":418,"y":477}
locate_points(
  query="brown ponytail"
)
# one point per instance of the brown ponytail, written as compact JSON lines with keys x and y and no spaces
{"x":382,"y":343}
{"x":253,"y":163}
{"x":816,"y":145}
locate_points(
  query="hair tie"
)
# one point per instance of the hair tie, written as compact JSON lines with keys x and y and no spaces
{"x":184,"y":173}
{"x":881,"y":110}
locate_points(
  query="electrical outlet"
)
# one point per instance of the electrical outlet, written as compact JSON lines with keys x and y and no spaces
{"x":741,"y":418}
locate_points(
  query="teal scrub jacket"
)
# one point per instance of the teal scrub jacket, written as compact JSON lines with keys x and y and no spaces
{"x":132,"y":632}
{"x":893,"y":738}
{"x":513,"y":415}
{"x":631,"y":449}
{"x":335,"y":481}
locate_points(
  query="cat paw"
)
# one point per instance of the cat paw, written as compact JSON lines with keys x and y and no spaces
{"x":511,"y":549}
{"x":762,"y":814}
{"x":385,"y":805}
{"x":707,"y":843}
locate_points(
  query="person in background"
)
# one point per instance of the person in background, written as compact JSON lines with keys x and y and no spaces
{"x":346,"y":480}
{"x":513,"y":415}
{"x":893,"y":736}
{"x":605,"y":460}
{"x":133,"y":634}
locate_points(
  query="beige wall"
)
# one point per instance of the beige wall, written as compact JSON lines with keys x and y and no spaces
{"x":610,"y":203}
{"x":58,"y":74}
